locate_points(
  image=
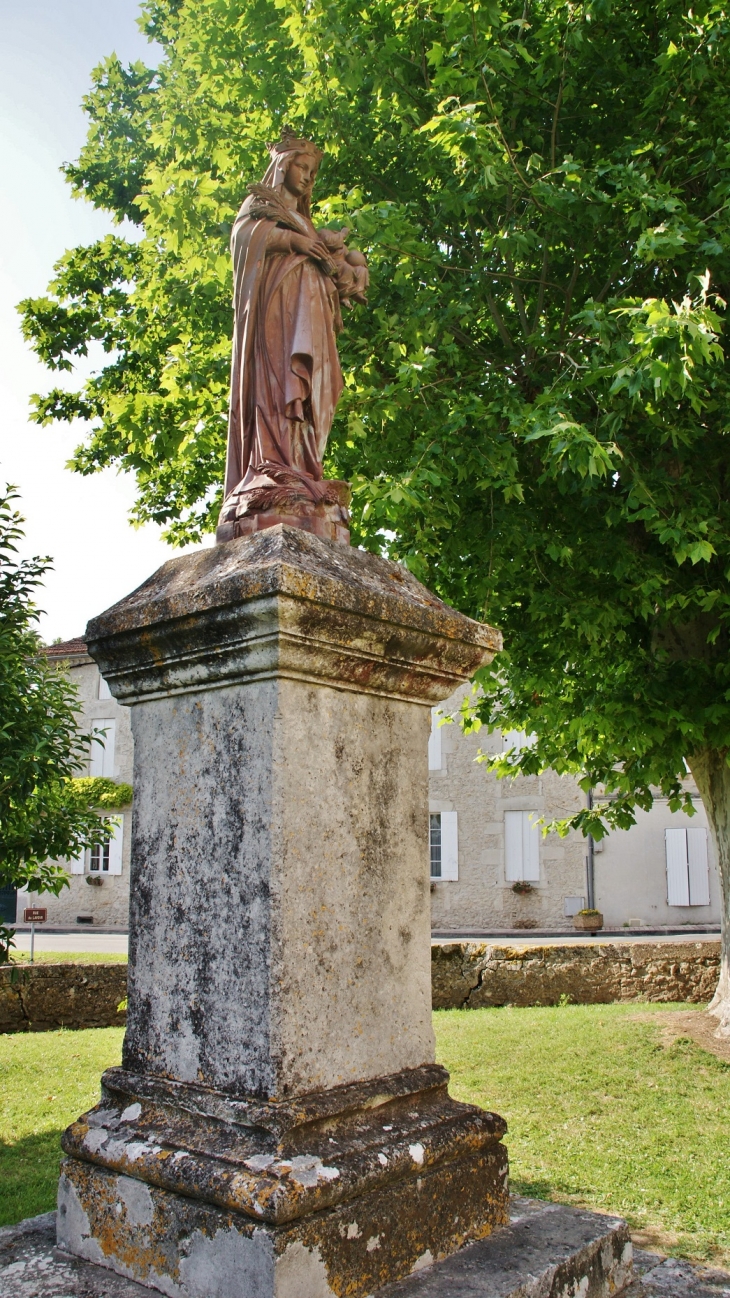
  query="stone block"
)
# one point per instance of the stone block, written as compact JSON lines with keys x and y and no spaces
{"x":547,"y":1251}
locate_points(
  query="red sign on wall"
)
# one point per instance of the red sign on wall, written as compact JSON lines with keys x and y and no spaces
{"x":35,"y":915}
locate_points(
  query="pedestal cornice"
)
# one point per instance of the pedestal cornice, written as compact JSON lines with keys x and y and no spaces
{"x":287,"y":604}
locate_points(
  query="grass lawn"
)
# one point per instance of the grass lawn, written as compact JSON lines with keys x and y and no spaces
{"x":600,"y":1112}
{"x":46,"y":1080}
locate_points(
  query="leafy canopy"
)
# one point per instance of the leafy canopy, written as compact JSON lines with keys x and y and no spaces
{"x":536,"y":399}
{"x":44,"y":811}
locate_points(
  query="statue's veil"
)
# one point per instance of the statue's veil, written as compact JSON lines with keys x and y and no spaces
{"x":281,"y":155}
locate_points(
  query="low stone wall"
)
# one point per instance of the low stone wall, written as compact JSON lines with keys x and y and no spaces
{"x":474,"y":974}
{"x":464,"y":975}
{"x":38,"y":997}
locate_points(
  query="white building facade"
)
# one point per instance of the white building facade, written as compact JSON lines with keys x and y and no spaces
{"x":493,"y":870}
{"x":98,"y":891}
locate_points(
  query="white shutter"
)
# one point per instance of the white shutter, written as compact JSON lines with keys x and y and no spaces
{"x":677,"y":872}
{"x":513,"y":739}
{"x":450,"y":845}
{"x":513,"y":846}
{"x":102,"y":750}
{"x":530,"y":847}
{"x":697,"y":867}
{"x":104,"y":691}
{"x":521,"y":846}
{"x":434,"y":742}
{"x":115,"y":847}
{"x":76,"y":864}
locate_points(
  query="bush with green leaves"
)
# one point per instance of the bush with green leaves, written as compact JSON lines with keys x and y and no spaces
{"x":46,"y":813}
{"x":536,"y":402}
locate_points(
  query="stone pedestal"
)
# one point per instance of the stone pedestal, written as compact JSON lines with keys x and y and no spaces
{"x":278,"y":1126}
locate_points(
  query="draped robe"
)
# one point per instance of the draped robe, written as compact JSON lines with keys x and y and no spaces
{"x":285,"y":377}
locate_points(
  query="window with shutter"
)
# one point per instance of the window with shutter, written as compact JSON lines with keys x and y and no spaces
{"x":434,"y":742}
{"x":435,"y":844}
{"x":104,"y":691}
{"x":115,"y":846}
{"x":106,"y":858}
{"x":444,"y":833}
{"x":688,"y":878}
{"x":675,"y":844}
{"x":516,"y":739}
{"x":450,"y":845}
{"x":101,"y":756}
{"x":76,"y":864}
{"x":522,"y":846}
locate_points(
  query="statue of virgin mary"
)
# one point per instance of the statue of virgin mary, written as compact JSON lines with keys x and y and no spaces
{"x":289,"y":280}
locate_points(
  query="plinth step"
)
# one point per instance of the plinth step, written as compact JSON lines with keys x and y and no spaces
{"x":547,"y":1251}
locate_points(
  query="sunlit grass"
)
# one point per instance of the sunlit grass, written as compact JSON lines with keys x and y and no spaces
{"x":69,"y":957}
{"x":46,"y":1080}
{"x":602,"y":1114}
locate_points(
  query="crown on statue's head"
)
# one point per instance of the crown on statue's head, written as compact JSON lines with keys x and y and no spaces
{"x":290,"y":142}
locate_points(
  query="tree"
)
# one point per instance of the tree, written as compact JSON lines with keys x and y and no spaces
{"x":45,"y":811}
{"x":536,"y":398}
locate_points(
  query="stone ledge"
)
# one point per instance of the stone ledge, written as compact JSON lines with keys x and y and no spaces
{"x":286,"y":604}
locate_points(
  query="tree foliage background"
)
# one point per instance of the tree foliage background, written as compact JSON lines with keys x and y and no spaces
{"x":536,"y":406}
{"x":45,"y":810}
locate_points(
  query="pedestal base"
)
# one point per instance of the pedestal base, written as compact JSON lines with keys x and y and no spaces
{"x":547,"y":1251}
{"x":336,"y":1193}
{"x":253,"y":511}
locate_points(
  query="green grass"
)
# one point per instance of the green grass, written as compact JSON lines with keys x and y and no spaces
{"x":69,"y":957}
{"x":46,"y":1080}
{"x":601,"y":1113}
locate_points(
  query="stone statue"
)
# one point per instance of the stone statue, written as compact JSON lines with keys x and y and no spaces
{"x":290,"y":280}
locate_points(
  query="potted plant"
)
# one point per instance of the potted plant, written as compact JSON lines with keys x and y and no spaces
{"x":588,"y":920}
{"x":522,"y":888}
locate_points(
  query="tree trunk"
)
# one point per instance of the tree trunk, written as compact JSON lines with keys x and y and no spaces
{"x":711,"y":772}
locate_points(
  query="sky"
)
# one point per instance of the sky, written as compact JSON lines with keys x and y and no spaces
{"x":47,"y":51}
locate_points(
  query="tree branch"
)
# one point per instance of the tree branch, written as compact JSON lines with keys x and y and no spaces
{"x":501,"y":326}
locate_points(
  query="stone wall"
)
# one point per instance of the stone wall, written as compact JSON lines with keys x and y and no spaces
{"x":38,"y":997}
{"x":464,"y":975}
{"x":475,"y":974}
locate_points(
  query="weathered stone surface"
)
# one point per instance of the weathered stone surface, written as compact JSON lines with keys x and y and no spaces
{"x":32,"y":1267}
{"x":39,"y":997}
{"x":547,"y":1251}
{"x":670,"y":1277}
{"x":474,"y":974}
{"x":250,"y":1157}
{"x":279,"y":910}
{"x":287,"y":604}
{"x":367,"y":1178}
